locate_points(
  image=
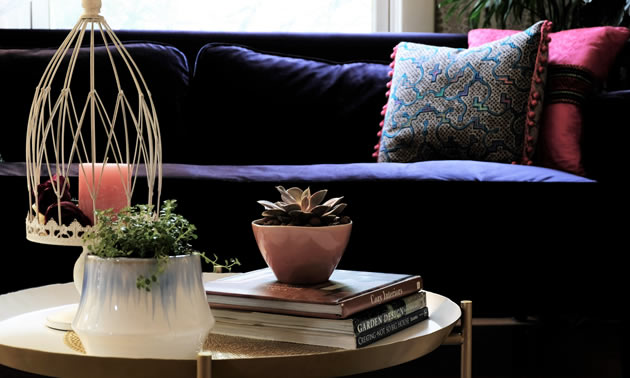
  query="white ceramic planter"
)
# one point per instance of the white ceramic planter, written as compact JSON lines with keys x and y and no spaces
{"x":79,"y":268}
{"x":117,"y":319}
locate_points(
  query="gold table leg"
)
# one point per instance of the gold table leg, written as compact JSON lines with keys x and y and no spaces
{"x":466,"y":353}
{"x":204,"y":364}
{"x":463,"y":338}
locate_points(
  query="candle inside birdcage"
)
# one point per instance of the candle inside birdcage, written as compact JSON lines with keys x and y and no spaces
{"x":102,"y":187}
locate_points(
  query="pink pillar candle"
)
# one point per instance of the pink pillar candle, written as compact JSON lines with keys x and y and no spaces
{"x":107,"y":186}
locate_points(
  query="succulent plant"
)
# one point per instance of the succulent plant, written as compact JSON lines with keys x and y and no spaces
{"x":301,"y":208}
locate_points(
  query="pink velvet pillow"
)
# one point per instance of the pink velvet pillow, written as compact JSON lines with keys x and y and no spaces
{"x":579,"y":59}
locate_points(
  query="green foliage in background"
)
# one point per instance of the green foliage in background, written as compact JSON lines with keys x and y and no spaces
{"x":565,"y":14}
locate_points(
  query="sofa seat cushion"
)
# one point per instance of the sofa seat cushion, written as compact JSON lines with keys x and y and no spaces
{"x":438,"y":170}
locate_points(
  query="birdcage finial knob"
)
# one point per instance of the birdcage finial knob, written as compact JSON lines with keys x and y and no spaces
{"x":92,"y":8}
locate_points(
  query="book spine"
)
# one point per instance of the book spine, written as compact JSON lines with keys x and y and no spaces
{"x":380,"y":296}
{"x":389,"y":312}
{"x":391,"y":328}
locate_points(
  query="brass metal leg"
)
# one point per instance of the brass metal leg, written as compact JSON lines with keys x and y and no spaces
{"x":466,"y":353}
{"x":204,"y":364}
{"x":463,"y":338}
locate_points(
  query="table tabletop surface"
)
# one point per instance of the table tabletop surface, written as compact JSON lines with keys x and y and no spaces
{"x":26,"y":343}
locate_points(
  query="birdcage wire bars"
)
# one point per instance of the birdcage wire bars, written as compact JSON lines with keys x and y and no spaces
{"x":61,"y":137}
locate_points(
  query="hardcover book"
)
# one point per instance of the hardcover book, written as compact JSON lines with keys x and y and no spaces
{"x":347,"y":292}
{"x":335,"y":339}
{"x":360,"y":323}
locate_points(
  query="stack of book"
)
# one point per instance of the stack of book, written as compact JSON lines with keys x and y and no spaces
{"x":351,"y":310}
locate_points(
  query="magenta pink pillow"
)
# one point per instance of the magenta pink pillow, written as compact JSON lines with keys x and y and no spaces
{"x":579,"y":59}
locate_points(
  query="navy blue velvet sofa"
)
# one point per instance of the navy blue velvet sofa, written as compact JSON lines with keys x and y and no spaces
{"x":243,"y":112}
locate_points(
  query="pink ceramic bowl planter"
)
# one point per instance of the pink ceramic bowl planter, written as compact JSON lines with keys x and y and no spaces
{"x":302,"y":255}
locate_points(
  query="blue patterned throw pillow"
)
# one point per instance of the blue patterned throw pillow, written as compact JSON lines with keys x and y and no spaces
{"x":482,"y":103}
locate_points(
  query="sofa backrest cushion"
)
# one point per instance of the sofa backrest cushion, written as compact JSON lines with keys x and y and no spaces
{"x":337,"y":47}
{"x":164,"y":68}
{"x":264,"y":108}
{"x":579,"y":62}
{"x":481,"y":104}
{"x":605,"y":136}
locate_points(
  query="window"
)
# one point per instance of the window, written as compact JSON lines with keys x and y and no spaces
{"x":20,"y":14}
{"x":341,"y":16}
{"x":354,"y":16}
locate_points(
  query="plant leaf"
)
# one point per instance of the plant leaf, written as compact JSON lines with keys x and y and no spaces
{"x":318,"y":197}
{"x":337,"y":209}
{"x":285,"y":195}
{"x":305,"y":202}
{"x":273,"y":213}
{"x":328,"y":218}
{"x":296,"y":213}
{"x":269,"y":205}
{"x":296,"y":193}
{"x":332,"y":202}
{"x":306,"y":193}
{"x":619,"y":20}
{"x":475,"y":14}
{"x":320,"y":210}
{"x":291,"y":207}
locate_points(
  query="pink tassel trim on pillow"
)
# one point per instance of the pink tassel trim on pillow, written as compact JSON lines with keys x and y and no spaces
{"x":536,"y":96}
{"x":379,"y":134}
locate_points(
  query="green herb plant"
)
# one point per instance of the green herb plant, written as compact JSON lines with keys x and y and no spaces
{"x":140,"y":232}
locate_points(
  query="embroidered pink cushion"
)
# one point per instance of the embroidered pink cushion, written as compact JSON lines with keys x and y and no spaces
{"x":579,"y":59}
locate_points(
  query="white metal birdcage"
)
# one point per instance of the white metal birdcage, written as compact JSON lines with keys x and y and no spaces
{"x":72,"y":133}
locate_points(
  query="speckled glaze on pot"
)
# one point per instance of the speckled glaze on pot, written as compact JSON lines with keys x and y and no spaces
{"x":115,"y":318}
{"x":302,"y":255}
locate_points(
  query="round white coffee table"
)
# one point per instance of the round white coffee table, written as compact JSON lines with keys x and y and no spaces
{"x":27,"y":344}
